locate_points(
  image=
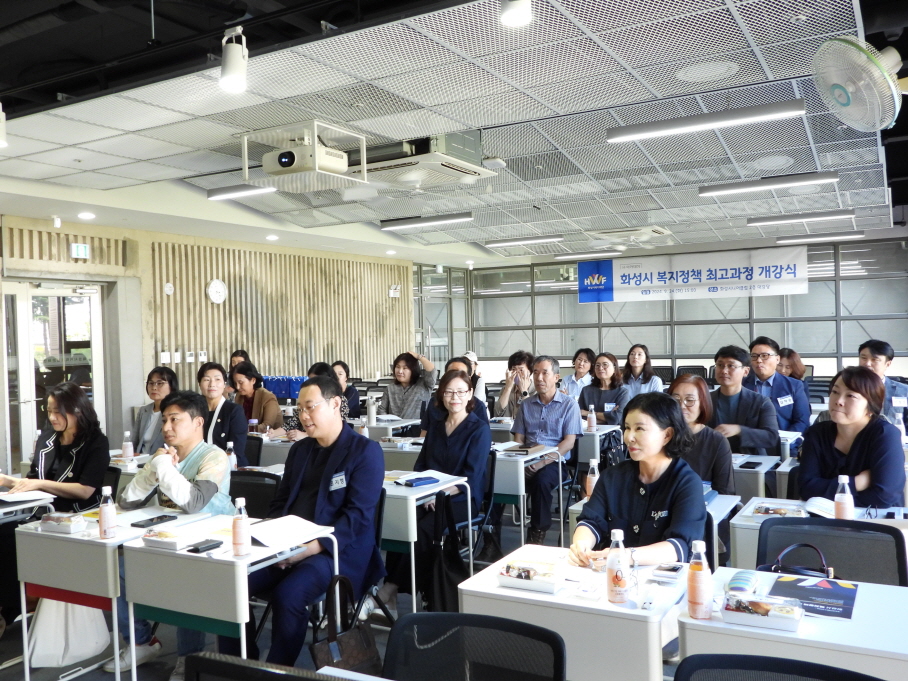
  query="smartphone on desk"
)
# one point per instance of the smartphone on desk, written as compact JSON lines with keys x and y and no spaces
{"x":749,"y":465}
{"x":151,"y":522}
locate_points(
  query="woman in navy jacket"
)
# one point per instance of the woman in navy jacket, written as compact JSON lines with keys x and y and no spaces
{"x":856,"y":442}
{"x":654,"y":496}
{"x":226,"y":421}
{"x":458,"y":444}
{"x":333,"y":477}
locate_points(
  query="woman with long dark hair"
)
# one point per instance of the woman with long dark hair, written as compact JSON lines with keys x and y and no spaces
{"x":412,"y":386}
{"x":638,"y":374}
{"x":257,"y":402}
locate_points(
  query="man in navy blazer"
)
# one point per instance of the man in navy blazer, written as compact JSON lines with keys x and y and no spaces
{"x":747,"y":419}
{"x":787,"y":395}
{"x":332,"y":477}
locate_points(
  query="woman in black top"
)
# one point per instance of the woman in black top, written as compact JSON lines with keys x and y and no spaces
{"x":351,"y":394}
{"x":654,"y":496}
{"x":710,"y":456}
{"x":70,"y":462}
{"x":226,"y":421}
{"x":605,"y":389}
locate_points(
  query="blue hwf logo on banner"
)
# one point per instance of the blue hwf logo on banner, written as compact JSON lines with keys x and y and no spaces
{"x":596,"y":282}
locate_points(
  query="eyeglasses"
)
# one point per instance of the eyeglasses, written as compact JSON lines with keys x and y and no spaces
{"x":452,"y":393}
{"x":686,"y":401}
{"x":308,"y":409}
{"x":762,"y":355}
{"x":729,"y":367}
{"x":156,"y":384}
{"x":604,"y":365}
{"x":873,"y":360}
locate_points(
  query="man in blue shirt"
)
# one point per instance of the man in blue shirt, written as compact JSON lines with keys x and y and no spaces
{"x":787,"y":395}
{"x":548,"y":418}
{"x":877,"y":356}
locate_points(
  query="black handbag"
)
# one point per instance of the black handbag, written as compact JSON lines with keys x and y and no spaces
{"x":612,"y":449}
{"x":352,"y":646}
{"x":448,"y":566}
{"x":779,"y":567}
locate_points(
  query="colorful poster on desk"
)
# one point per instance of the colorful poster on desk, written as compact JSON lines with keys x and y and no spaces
{"x":827,"y":597}
{"x":723,"y":274}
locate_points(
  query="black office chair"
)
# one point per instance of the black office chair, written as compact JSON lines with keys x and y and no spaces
{"x":257,"y":487}
{"x":253,"y":450}
{"x":694,"y":370}
{"x":793,"y":474}
{"x":112,"y":479}
{"x":759,"y":668}
{"x":667,"y":374}
{"x":856,"y":550}
{"x":427,"y":646}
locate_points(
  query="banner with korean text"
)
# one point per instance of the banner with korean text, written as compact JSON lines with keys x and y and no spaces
{"x":723,"y":274}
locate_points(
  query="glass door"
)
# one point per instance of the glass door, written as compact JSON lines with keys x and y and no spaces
{"x":52,"y":334}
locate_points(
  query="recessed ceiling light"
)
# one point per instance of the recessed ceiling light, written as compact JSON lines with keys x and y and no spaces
{"x":272,"y":237}
{"x":469,"y":262}
{"x":516,"y":13}
{"x":390,"y":252}
{"x":707,"y":71}
{"x":773,"y":162}
{"x":554,"y":238}
{"x":405,"y":223}
{"x":85,"y":215}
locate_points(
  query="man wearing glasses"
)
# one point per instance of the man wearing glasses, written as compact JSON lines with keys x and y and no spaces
{"x":787,"y":395}
{"x":745,"y":417}
{"x":877,"y":356}
{"x":332,"y":477}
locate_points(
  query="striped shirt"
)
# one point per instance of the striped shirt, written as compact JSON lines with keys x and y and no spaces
{"x":548,"y":424}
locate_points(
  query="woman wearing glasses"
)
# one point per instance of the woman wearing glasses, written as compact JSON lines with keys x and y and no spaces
{"x":226,"y":421}
{"x":710,"y":457}
{"x":458,"y":444}
{"x":573,"y":384}
{"x":148,"y":438}
{"x":856,"y":442}
{"x":605,"y":393}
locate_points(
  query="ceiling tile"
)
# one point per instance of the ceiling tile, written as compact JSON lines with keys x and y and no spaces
{"x":767,"y":24}
{"x":353,"y":102}
{"x":78,"y":159}
{"x":201,"y":161}
{"x":261,"y":116}
{"x":410,"y":124}
{"x":143,"y":170}
{"x":95,"y":181}
{"x":287,"y":73}
{"x":443,"y":84}
{"x":22,"y":146}
{"x":541,"y":166}
{"x":194,"y":94}
{"x":135,"y":146}
{"x":592,"y":93}
{"x":29,"y":170}
{"x":507,"y":107}
{"x":128,"y":114}
{"x":599,"y":17}
{"x":694,"y":75}
{"x":197,"y":133}
{"x":50,"y":128}
{"x":544,"y":64}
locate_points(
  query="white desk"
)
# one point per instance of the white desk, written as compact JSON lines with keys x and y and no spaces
{"x":46,"y":560}
{"x":588,"y":445}
{"x":751,"y":483}
{"x":202,"y":590}
{"x":501,"y":432}
{"x":510,"y":481}
{"x":384,"y":428}
{"x":400,"y":458}
{"x":399,"y":524}
{"x":629,"y":638}
{"x":11,"y":513}
{"x":275,"y":453}
{"x":871,"y":642}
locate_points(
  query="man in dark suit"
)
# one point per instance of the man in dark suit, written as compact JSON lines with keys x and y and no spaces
{"x":787,"y":395}
{"x":332,"y":477}
{"x":747,"y":419}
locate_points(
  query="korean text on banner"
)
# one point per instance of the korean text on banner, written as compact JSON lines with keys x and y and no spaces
{"x":724,"y":274}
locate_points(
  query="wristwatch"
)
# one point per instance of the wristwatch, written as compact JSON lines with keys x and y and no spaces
{"x":634,"y":558}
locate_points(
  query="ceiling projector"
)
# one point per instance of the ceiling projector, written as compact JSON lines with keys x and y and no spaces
{"x":303,"y":159}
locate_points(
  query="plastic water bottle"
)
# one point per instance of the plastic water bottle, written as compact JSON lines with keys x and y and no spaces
{"x":107,"y":515}
{"x":253,"y":426}
{"x":591,"y":419}
{"x":364,"y":432}
{"x":616,"y":569}
{"x":242,"y":542}
{"x":371,"y":411}
{"x":592,"y":477}
{"x":699,"y":584}
{"x":844,"y":502}
{"x":127,"y":446}
{"x":231,"y":455}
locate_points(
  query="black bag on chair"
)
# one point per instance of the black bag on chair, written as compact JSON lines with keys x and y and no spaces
{"x":779,"y":567}
{"x":448,"y":567}
{"x":351,"y":647}
{"x":612,"y":450}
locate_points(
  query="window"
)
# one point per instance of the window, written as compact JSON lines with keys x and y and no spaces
{"x":712,"y":308}
{"x":705,"y":339}
{"x":874,"y":296}
{"x":509,"y":281}
{"x":649,"y":311}
{"x":564,"y":309}
{"x":565,"y":342}
{"x":511,"y":311}
{"x":819,"y":301}
{"x":804,"y":337}
{"x":893,"y":331}
{"x":501,"y":343}
{"x":619,"y":339}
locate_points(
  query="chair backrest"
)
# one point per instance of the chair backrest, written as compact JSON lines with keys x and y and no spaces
{"x":112,"y":479}
{"x":694,"y":370}
{"x":856,"y":550}
{"x":253,"y":450}
{"x":667,"y":374}
{"x":793,"y":491}
{"x":426,"y":646}
{"x":808,"y":370}
{"x":489,"y":482}
{"x":257,"y":487}
{"x":758,"y":668}
{"x":380,"y":517}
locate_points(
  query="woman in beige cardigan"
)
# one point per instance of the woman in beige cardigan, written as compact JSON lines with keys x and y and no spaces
{"x":257,"y":402}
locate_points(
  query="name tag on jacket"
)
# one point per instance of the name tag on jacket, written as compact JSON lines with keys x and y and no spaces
{"x":338,"y":481}
{"x":785,"y":400}
{"x":900,"y":401}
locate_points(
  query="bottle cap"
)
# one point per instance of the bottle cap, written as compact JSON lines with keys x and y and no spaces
{"x":617,"y":535}
{"x":255,"y":421}
{"x":105,"y":491}
{"x":698,"y":546}
{"x":843,"y":478}
{"x":594,"y":460}
{"x":126,"y":434}
{"x":230,"y":445}
{"x":240,"y":502}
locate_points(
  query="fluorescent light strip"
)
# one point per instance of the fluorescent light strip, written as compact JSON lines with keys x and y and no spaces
{"x":405,"y":223}
{"x":236,"y":191}
{"x":801,"y":217}
{"x":707,"y":121}
{"x":584,"y":256}
{"x":491,"y":293}
{"x":767,"y":183}
{"x":555,"y":238}
{"x":820,"y":237}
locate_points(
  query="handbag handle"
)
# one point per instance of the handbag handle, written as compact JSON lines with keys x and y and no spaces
{"x":808,"y":572}
{"x":340,"y":584}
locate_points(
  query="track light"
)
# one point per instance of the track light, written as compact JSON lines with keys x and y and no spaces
{"x":404,"y":223}
{"x":844,"y":236}
{"x":801,"y":217}
{"x":236,"y":191}
{"x":516,"y":13}
{"x":234,"y":57}
{"x":551,"y":239}
{"x":587,"y":256}
{"x":766,"y":183}
{"x":3,"y":142}
{"x":707,"y":121}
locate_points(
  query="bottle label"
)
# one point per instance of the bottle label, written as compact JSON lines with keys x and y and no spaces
{"x":107,"y":521}
{"x":242,"y":545}
{"x":617,"y":584}
{"x":699,"y":593}
{"x":844,"y":507}
{"x":127,"y":450}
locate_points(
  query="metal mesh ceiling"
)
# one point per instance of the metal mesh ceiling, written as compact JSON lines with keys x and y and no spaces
{"x":543,"y":96}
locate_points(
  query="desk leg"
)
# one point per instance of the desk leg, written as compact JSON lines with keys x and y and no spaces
{"x":336,"y":573}
{"x":116,"y":638}
{"x":243,"y":641}
{"x":523,"y":511}
{"x":560,"y":505}
{"x":412,"y":576}
{"x":132,"y":639}
{"x":470,"y":524}
{"x":26,"y":655}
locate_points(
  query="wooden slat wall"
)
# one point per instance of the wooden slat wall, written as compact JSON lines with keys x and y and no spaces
{"x":35,"y":244}
{"x":288,"y":311}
